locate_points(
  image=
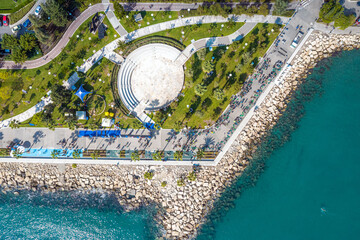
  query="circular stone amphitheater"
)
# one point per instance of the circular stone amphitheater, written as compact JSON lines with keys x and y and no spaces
{"x":150,"y":78}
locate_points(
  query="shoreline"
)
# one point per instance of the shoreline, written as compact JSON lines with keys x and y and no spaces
{"x":184,"y":208}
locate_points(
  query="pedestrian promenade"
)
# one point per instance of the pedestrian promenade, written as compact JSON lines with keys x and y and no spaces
{"x":200,"y":20}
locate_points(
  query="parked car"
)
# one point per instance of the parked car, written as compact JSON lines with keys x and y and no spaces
{"x":37,"y":10}
{"x":16,"y":28}
{"x":5,"y":20}
{"x":27,"y":23}
{"x":357,"y":22}
{"x":0,"y":20}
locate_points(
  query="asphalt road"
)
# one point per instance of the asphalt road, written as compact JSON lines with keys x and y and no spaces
{"x":61,"y":44}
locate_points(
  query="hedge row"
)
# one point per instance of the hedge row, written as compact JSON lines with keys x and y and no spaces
{"x":16,"y":16}
{"x":152,"y":39}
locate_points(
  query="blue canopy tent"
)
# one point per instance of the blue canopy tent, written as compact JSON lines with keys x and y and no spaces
{"x":81,"y":93}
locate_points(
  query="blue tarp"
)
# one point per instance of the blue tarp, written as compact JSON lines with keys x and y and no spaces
{"x":81,"y":93}
{"x":150,"y":125}
{"x":99,"y":133}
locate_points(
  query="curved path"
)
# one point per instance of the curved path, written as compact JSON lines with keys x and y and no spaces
{"x":61,"y":44}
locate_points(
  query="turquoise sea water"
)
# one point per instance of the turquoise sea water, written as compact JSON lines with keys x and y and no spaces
{"x":317,"y":166}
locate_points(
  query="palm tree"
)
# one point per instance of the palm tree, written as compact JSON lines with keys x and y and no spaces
{"x":17,"y":154}
{"x":156,"y":156}
{"x":55,"y":153}
{"x":14,"y":124}
{"x":135,"y":156}
{"x":178,"y":155}
{"x":199,"y":154}
{"x":95,"y":154}
{"x":76,"y":154}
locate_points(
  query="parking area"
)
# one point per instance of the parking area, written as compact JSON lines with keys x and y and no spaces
{"x":4,"y":25}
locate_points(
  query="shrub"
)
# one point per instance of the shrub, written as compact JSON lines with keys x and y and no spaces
{"x":163,"y":184}
{"x":135,"y":156}
{"x":178,"y":155}
{"x":148,"y":175}
{"x":74,"y":165}
{"x":191,"y":176}
{"x":181,"y":182}
{"x":200,"y":89}
{"x":219,"y":94}
{"x":201,"y":53}
{"x":156,"y":156}
{"x":76,"y":154}
{"x":208,"y":66}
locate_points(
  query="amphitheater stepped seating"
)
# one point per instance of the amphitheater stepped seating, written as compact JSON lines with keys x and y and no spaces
{"x":127,"y":68}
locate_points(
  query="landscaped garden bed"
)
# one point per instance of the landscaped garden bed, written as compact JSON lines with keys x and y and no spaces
{"x":22,"y":89}
{"x":212,"y":77}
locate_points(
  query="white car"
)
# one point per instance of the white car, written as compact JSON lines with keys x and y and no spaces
{"x":16,"y":28}
{"x":37,"y":10}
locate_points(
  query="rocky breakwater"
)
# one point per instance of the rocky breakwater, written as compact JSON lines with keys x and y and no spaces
{"x":183,"y":201}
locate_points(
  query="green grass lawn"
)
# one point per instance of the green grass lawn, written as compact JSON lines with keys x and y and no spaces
{"x":206,"y":108}
{"x":7,"y":6}
{"x":58,"y":70}
{"x":197,"y":32}
{"x":162,"y":16}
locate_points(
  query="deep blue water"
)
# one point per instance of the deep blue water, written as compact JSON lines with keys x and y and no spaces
{"x":317,"y":166}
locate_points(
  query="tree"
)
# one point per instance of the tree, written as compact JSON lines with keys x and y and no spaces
{"x":156,"y":156}
{"x":36,"y":21}
{"x":119,"y":10}
{"x":238,"y":68}
{"x":60,"y":94}
{"x":14,"y":124}
{"x":230,"y":24}
{"x":42,"y":35}
{"x":18,"y":55}
{"x":330,"y":11}
{"x":95,"y":154}
{"x":280,"y":7}
{"x":200,"y":89}
{"x":208,"y":66}
{"x":56,"y":13}
{"x":199,"y":154}
{"x":9,"y":42}
{"x":178,"y":155}
{"x":219,"y":94}
{"x":263,"y":9}
{"x":201,"y":53}
{"x":344,"y":21}
{"x":76,"y":154}
{"x":148,"y":175}
{"x":27,"y":41}
{"x":55,"y":154}
{"x":5,"y":92}
{"x":135,"y":156}
{"x":17,"y":153}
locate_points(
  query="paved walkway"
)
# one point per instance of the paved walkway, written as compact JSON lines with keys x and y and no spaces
{"x":28,"y":113}
{"x":113,"y":20}
{"x":215,"y":41}
{"x":200,"y":20}
{"x":61,"y":44}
